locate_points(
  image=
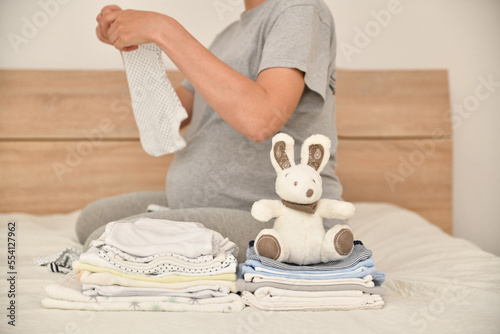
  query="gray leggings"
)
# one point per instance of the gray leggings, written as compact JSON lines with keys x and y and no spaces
{"x":237,"y":225}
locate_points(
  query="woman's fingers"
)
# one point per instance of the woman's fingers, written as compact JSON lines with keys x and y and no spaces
{"x":110,"y":8}
{"x":99,"y":35}
{"x":125,"y":29}
{"x":131,"y":48}
{"x":99,"y":31}
{"x":113,"y":32}
{"x":106,"y":17}
{"x":117,"y":37}
{"x":107,"y":21}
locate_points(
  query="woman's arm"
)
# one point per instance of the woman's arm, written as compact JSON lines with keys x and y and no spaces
{"x":256,"y":109}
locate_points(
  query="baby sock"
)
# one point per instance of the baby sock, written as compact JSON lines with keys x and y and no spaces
{"x":157,"y":109}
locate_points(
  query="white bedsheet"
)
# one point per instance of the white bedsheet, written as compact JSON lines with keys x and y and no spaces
{"x":435,"y":284}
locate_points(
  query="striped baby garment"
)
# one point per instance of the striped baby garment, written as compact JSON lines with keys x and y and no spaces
{"x":157,"y":109}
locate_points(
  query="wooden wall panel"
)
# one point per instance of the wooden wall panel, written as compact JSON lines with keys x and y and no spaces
{"x":69,"y":82}
{"x":415,"y":174}
{"x":392,"y":103}
{"x":44,"y":177}
{"x":58,"y":115}
{"x":66,"y":104}
{"x":27,"y":82}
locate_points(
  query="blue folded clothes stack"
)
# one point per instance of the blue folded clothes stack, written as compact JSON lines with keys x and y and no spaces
{"x":349,"y":284}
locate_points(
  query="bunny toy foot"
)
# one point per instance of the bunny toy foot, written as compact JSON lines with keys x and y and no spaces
{"x":338,"y":243}
{"x":270,"y":244}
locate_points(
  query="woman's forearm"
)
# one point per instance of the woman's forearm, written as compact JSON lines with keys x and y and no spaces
{"x":256,"y":109}
{"x":243,"y":103}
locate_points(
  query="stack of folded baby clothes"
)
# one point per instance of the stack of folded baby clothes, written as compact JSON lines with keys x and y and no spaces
{"x":152,"y":264}
{"x":348,"y":284}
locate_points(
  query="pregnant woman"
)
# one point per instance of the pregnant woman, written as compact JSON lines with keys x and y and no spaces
{"x":272,"y":70}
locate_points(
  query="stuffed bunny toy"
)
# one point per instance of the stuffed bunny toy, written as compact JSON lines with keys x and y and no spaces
{"x":298,"y":235}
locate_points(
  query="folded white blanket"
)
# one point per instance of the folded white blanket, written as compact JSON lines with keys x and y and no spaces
{"x":272,"y":299}
{"x":299,"y":295}
{"x":69,"y":296}
{"x":243,"y":285}
{"x":309,"y":275}
{"x":196,"y":292}
{"x":256,"y":278}
{"x":146,"y":236}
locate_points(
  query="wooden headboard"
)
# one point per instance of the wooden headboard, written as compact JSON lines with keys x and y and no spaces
{"x":69,"y":137}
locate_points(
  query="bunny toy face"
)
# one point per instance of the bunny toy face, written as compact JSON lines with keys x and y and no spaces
{"x":301,"y":183}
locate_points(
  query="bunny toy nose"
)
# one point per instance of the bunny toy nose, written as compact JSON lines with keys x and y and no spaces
{"x":309,"y":193}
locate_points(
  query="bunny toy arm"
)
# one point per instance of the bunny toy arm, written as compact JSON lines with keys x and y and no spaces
{"x":330,"y":208}
{"x":265,"y":209}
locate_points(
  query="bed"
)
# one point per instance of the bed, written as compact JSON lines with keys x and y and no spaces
{"x":61,"y":129}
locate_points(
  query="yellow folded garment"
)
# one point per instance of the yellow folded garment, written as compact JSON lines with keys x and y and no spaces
{"x":78,"y":266}
{"x":110,"y":279}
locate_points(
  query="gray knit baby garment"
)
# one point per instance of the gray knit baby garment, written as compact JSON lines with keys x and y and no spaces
{"x":157,"y":109}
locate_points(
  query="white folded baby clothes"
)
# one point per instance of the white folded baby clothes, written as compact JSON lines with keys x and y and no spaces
{"x":143,"y":264}
{"x":157,"y":109}
{"x":157,"y":267}
{"x":146,"y":237}
{"x":195,"y":292}
{"x":226,"y":248}
{"x":68,"y":295}
{"x":272,"y":299}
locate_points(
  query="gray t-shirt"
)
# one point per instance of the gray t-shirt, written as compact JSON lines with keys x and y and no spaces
{"x":220,"y":167}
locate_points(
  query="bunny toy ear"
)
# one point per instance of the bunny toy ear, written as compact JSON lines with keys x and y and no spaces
{"x":282,"y":152}
{"x":315,"y":152}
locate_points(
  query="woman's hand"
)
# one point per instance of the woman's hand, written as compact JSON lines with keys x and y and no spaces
{"x":126,"y":29}
{"x":103,"y":25}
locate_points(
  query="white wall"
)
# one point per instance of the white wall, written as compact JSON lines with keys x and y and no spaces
{"x":462,"y":36}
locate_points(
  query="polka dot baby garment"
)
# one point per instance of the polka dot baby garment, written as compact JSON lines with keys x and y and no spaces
{"x":157,"y":109}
